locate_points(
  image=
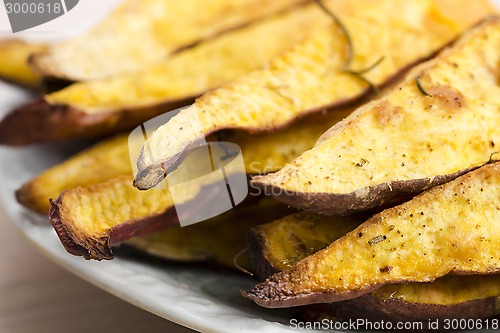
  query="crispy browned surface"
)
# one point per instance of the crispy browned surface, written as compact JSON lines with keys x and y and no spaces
{"x":218,"y":239}
{"x":308,"y":78}
{"x":90,"y":219}
{"x":382,"y":151}
{"x":141,"y":32}
{"x":279,"y":245}
{"x":450,"y":228}
{"x":14,"y":67}
{"x":100,"y":107}
{"x":110,"y":159}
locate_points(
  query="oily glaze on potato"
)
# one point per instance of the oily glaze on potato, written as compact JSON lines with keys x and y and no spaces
{"x":309,"y":78}
{"x":451,"y":228}
{"x":409,"y":140}
{"x":100,"y":107}
{"x":141,"y":32}
{"x":279,"y":245}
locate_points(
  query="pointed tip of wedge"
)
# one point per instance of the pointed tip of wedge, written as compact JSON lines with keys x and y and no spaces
{"x":149,"y":177}
{"x":64,"y":236}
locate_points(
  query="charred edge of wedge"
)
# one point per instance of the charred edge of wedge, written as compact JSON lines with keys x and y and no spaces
{"x":261,"y":267}
{"x":100,"y":249}
{"x":52,"y":84}
{"x":67,"y":241}
{"x":43,"y":122}
{"x":271,"y":294}
{"x":26,"y":197}
{"x":364,"y":199}
{"x":148,"y":176}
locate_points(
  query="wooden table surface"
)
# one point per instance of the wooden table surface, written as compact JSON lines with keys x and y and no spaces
{"x":38,"y":296}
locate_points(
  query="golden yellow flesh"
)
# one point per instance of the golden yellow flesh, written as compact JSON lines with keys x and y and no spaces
{"x":106,"y":160}
{"x":94,"y":209}
{"x":110,"y":159}
{"x":218,"y":239}
{"x":270,"y":152}
{"x":311,"y":75}
{"x":450,"y":228}
{"x":196,"y":70}
{"x":406,"y":135}
{"x":91,"y":211}
{"x":14,"y":67}
{"x":141,"y":32}
{"x":294,"y":237}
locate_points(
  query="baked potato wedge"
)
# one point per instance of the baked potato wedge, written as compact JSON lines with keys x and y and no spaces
{"x":91,"y":219}
{"x":101,"y":162}
{"x":452,"y":296}
{"x":217,"y":240}
{"x":309,"y":78}
{"x":101,"y":107}
{"x":110,"y":159}
{"x":442,"y":121}
{"x":450,"y":228}
{"x":141,"y":32}
{"x":14,"y":68}
{"x":279,"y":245}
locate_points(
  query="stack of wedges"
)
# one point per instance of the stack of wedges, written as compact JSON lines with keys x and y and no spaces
{"x":370,"y":132}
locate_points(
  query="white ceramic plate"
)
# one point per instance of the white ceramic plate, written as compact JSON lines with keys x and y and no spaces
{"x":203,"y":300}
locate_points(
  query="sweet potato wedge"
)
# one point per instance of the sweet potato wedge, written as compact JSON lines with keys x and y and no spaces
{"x":110,"y":159}
{"x":449,"y":229}
{"x":279,"y":245}
{"x":310,"y":77}
{"x":141,"y":32}
{"x":450,"y":297}
{"x":99,"y":163}
{"x":440,"y":122}
{"x":217,"y":240}
{"x":96,"y":108}
{"x":92,"y":219}
{"x":14,"y":68}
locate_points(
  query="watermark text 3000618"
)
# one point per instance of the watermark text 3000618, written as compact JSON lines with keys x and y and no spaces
{"x":26,"y":14}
